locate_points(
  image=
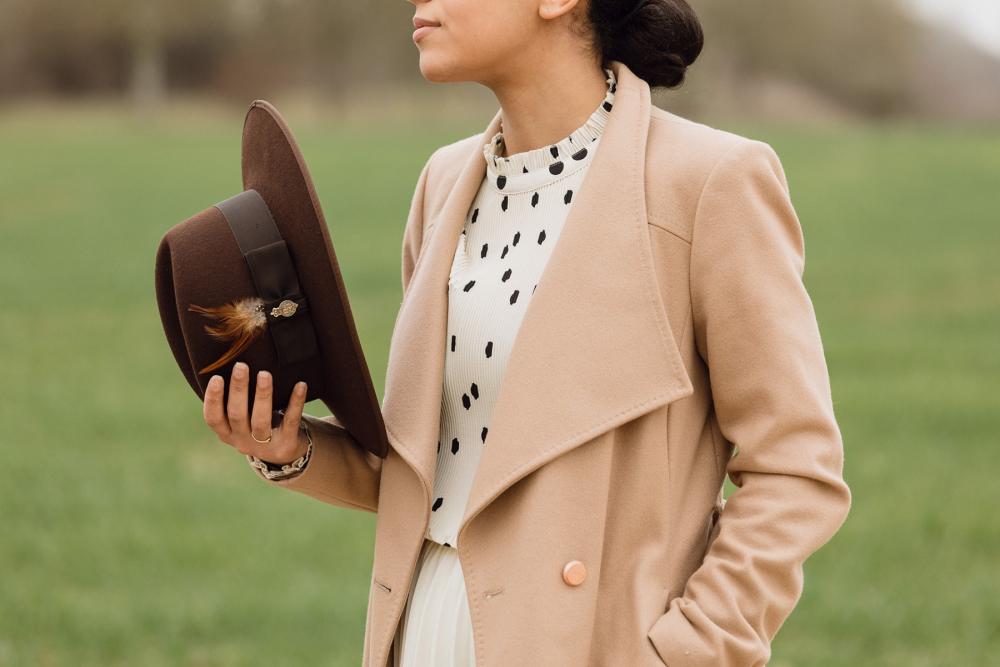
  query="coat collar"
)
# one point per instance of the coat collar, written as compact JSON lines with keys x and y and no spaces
{"x":594,"y":349}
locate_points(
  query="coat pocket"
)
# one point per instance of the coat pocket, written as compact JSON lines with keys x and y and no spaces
{"x":378,"y":594}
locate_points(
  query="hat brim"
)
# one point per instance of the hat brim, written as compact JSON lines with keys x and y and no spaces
{"x":272,"y":164}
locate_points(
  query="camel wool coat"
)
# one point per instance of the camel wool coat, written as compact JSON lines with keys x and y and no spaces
{"x":670,"y":342}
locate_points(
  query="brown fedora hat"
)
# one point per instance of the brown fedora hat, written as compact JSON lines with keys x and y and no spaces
{"x":254,"y":278}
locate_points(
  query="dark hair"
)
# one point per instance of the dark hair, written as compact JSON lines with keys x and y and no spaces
{"x":656,"y":39}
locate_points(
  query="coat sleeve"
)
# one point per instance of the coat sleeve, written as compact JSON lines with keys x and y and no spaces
{"x":340,"y":471}
{"x":756,"y":329}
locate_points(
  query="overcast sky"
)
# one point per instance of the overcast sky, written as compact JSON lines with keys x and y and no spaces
{"x":980,"y":19}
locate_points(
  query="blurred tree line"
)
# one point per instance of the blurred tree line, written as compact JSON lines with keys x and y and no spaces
{"x":146,"y":48}
{"x":871,"y":58}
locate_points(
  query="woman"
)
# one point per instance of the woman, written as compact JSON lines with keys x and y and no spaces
{"x":634,"y":278}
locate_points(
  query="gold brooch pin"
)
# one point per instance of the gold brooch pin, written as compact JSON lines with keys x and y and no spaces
{"x":286,"y":308}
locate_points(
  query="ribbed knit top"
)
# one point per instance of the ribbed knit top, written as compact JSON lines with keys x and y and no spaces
{"x":510,"y":231}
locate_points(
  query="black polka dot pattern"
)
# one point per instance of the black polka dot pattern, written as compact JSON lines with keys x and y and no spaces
{"x":494,"y":275}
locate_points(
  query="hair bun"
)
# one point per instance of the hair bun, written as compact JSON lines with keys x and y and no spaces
{"x":656,"y":39}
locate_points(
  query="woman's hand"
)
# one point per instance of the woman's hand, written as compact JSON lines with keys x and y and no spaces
{"x":233,"y":427}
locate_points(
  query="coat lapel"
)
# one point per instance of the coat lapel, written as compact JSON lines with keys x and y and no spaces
{"x":594,"y":349}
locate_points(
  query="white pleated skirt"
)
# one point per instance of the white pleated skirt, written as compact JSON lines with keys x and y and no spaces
{"x":436,"y":629}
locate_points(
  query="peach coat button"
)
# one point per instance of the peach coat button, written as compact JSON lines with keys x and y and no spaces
{"x":574,"y":572}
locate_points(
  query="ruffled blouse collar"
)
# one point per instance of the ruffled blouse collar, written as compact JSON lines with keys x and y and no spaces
{"x":536,"y":166}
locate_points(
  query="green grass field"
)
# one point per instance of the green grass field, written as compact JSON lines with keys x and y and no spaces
{"x":131,"y":536}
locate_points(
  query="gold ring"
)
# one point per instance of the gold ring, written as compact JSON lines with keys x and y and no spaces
{"x":262,"y":442}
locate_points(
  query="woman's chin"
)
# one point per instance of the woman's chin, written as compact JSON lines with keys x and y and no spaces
{"x":434,"y":69}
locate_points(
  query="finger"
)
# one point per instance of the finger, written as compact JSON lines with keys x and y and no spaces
{"x":215,"y":416}
{"x":293,"y":413}
{"x":237,"y":407}
{"x":260,"y":421}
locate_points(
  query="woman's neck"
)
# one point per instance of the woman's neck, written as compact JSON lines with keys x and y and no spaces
{"x":544,"y":106}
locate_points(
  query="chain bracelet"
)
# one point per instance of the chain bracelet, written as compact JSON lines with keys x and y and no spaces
{"x":287,"y":469}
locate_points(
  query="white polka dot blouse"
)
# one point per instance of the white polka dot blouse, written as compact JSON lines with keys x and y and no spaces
{"x":510,"y":230}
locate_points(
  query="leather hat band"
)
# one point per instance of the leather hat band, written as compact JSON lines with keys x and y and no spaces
{"x":288,"y":320}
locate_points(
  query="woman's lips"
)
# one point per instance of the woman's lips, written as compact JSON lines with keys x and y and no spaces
{"x":422,"y":31}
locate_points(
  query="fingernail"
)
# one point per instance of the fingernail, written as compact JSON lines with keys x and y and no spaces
{"x":263,"y":378}
{"x":241,"y":369}
{"x":300,"y":387}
